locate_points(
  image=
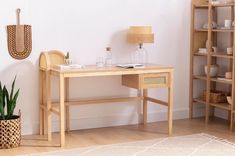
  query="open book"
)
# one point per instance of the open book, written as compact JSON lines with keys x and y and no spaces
{"x":70,"y":66}
{"x":127,"y":66}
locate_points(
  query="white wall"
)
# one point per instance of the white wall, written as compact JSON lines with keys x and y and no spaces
{"x":85,"y":28}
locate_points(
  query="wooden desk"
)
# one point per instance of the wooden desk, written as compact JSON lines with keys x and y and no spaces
{"x":152,"y":76}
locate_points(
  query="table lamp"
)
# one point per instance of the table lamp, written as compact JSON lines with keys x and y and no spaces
{"x":140,"y":35}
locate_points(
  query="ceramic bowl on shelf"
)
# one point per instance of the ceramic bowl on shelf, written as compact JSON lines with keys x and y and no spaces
{"x":213,"y":25}
{"x":229,"y":99}
{"x":213,"y":70}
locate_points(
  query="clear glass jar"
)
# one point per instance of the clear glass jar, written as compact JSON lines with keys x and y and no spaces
{"x":108,"y":58}
{"x":140,"y":56}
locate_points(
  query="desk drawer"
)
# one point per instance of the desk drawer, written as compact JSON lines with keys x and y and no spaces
{"x":144,"y":81}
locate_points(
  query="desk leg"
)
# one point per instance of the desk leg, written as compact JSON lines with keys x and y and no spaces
{"x":44,"y":110}
{"x":67,"y":107}
{"x":170,"y":105}
{"x":41,"y":103}
{"x":145,"y":107}
{"x":48,"y":107}
{"x":62,"y":126}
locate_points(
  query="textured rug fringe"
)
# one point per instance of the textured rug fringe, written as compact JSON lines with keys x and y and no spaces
{"x":218,"y":139}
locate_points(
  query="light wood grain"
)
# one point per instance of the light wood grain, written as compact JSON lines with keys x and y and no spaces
{"x":143,"y":78}
{"x":145,"y":106}
{"x":48,"y":110}
{"x":67,"y":109}
{"x":62,"y":106}
{"x":170,"y":105}
{"x":41,"y":101}
{"x":197,"y":42}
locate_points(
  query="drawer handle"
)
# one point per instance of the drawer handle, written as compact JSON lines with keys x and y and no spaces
{"x":155,"y":80}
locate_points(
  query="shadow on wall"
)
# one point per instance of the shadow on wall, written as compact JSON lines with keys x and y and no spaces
{"x":120,"y":48}
{"x":27,"y":81}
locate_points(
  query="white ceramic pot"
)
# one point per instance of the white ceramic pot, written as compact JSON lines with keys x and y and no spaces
{"x":213,"y":70}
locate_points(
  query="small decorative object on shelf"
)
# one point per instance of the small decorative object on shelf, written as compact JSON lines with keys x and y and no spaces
{"x":202,"y":50}
{"x":228,"y":24}
{"x":228,"y":75}
{"x":229,"y":100}
{"x":230,"y":51}
{"x":229,"y":1}
{"x":213,"y":25}
{"x":140,"y":35}
{"x":213,"y":70}
{"x":215,"y":2}
{"x":67,"y":59}
{"x":10,"y":126}
{"x":108,"y":58}
{"x":214,"y":49}
{"x":220,"y":2}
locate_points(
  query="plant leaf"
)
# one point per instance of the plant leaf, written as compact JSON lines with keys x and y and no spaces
{"x":4,"y":96}
{"x":8,"y":101}
{"x":2,"y":113}
{"x":12,"y":88}
{"x":13,"y":103}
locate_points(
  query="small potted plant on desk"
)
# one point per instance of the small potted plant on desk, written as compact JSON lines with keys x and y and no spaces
{"x":10,"y":126}
{"x":67,"y":59}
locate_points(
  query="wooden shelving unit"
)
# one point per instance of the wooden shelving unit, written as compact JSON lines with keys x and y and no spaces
{"x":199,"y":36}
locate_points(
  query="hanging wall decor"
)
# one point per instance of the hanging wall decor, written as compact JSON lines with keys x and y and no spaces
{"x":19,"y":39}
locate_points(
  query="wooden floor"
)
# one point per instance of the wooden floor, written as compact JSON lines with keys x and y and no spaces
{"x":103,"y":136}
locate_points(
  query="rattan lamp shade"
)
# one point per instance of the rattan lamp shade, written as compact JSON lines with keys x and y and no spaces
{"x":140,"y":34}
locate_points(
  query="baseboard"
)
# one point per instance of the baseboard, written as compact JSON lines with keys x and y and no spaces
{"x":108,"y":121}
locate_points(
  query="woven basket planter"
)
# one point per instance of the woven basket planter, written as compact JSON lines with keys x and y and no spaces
{"x":10,"y":133}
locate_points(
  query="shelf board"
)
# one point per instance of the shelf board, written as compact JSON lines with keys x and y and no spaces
{"x":223,"y":5}
{"x":215,"y":30}
{"x":200,"y":77}
{"x":199,"y":100}
{"x":199,"y":54}
{"x":221,"y":81}
{"x":205,"y":6}
{"x":222,"y":55}
{"x":223,"y":30}
{"x":203,"y":77}
{"x":201,"y":30}
{"x":219,"y":55}
{"x":224,"y":106}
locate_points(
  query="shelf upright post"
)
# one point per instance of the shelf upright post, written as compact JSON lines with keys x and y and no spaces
{"x":208,"y":79}
{"x":191,"y":61}
{"x":233,"y":79}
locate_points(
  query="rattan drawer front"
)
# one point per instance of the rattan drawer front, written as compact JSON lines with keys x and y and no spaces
{"x":145,"y":81}
{"x":154,"y":80}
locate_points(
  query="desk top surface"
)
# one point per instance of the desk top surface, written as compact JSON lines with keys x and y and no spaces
{"x":92,"y":70}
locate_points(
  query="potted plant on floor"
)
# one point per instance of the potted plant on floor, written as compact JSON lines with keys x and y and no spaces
{"x":10,"y":126}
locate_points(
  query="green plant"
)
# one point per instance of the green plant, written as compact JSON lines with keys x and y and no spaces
{"x":67,"y":56}
{"x":8,"y":100}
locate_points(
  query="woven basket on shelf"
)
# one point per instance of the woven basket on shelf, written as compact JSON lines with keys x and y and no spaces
{"x":10,"y":133}
{"x":216,"y":96}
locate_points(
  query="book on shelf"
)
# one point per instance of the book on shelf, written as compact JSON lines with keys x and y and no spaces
{"x":224,"y":79}
{"x":128,"y":66}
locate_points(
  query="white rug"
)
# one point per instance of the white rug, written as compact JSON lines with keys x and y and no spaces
{"x":191,"y":145}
